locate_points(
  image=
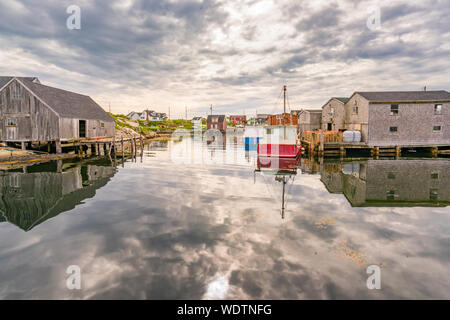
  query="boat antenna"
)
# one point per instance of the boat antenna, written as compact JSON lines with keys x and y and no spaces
{"x":284,"y":103}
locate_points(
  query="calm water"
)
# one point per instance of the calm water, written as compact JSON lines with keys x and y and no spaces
{"x":196,"y":221}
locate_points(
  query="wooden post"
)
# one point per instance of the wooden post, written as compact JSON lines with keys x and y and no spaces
{"x":58,"y":146}
{"x":23,"y":146}
{"x":434,"y":151}
{"x":59,"y":164}
{"x":102,"y":149}
{"x":398,"y":152}
{"x":322,"y":144}
{"x":97,"y":149}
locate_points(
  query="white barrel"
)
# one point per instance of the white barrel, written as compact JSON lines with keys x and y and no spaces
{"x":356,"y":136}
{"x":348,"y":136}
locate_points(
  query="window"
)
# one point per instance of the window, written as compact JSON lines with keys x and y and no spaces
{"x":437,"y":128}
{"x":434,"y":194}
{"x":390,"y":195}
{"x":435,"y":175}
{"x":391,"y":175}
{"x":393,"y":129}
{"x":102,"y":124}
{"x":355,"y":110}
{"x":394,"y":109}
{"x":17,"y":95}
{"x":11,"y":123}
{"x":332,"y":111}
{"x":438,"y":109}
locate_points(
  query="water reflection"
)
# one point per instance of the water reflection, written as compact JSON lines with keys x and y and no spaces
{"x":384,"y":183}
{"x":208,"y":226}
{"x":28,"y":199}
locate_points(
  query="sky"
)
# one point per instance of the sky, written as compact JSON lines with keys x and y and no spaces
{"x":130,"y":55}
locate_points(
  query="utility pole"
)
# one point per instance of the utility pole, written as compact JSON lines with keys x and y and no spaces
{"x":186,"y":113}
{"x":211,"y":109}
{"x":169,"y":113}
{"x":284,"y":100}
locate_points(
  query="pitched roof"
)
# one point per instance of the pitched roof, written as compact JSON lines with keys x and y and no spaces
{"x":68,"y":104}
{"x":220,"y":116}
{"x":5,"y":80}
{"x":343,"y":100}
{"x":313,"y":110}
{"x":401,"y":96}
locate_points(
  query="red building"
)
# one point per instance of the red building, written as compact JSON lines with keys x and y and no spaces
{"x":237,"y":120}
{"x":282,"y":119}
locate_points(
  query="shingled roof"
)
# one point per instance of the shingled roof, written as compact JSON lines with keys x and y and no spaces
{"x":67,"y":104}
{"x":402,"y":96}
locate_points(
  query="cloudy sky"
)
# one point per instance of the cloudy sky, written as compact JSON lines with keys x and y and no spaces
{"x":234,"y":54}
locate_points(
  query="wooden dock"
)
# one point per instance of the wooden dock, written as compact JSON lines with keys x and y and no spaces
{"x":330,"y":144}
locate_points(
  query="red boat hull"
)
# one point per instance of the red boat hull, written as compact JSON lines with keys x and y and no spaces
{"x":278,"y":150}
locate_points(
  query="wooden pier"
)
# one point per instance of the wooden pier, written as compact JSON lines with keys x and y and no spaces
{"x":330,"y":144}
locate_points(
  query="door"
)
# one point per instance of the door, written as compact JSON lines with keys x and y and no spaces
{"x":330,"y":126}
{"x":82,"y":128}
{"x":11,"y":129}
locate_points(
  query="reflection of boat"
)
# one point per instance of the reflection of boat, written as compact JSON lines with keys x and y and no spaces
{"x":280,"y":141}
{"x":284,"y":169}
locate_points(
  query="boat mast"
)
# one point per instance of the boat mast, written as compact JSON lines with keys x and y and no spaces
{"x":284,"y":111}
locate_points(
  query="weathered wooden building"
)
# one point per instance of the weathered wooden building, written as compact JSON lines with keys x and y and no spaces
{"x":32,"y":112}
{"x":401,"y":118}
{"x":333,"y":114}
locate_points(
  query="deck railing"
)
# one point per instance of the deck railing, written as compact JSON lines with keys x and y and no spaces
{"x":313,"y":137}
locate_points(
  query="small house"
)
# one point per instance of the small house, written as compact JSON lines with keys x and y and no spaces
{"x":310,"y":119}
{"x":238,"y":120}
{"x":333,"y":114}
{"x":216,"y":122}
{"x":261,"y":119}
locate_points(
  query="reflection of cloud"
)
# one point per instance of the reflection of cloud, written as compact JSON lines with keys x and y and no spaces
{"x":217,"y":288}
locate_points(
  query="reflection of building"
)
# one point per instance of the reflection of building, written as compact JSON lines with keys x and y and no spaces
{"x":390,"y":182}
{"x":28,"y":199}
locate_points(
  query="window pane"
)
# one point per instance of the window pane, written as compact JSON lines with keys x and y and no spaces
{"x":437,"y":128}
{"x":393,"y":129}
{"x":438,"y":109}
{"x":394,"y":109}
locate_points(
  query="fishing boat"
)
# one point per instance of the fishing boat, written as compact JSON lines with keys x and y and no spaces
{"x":280,"y":140}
